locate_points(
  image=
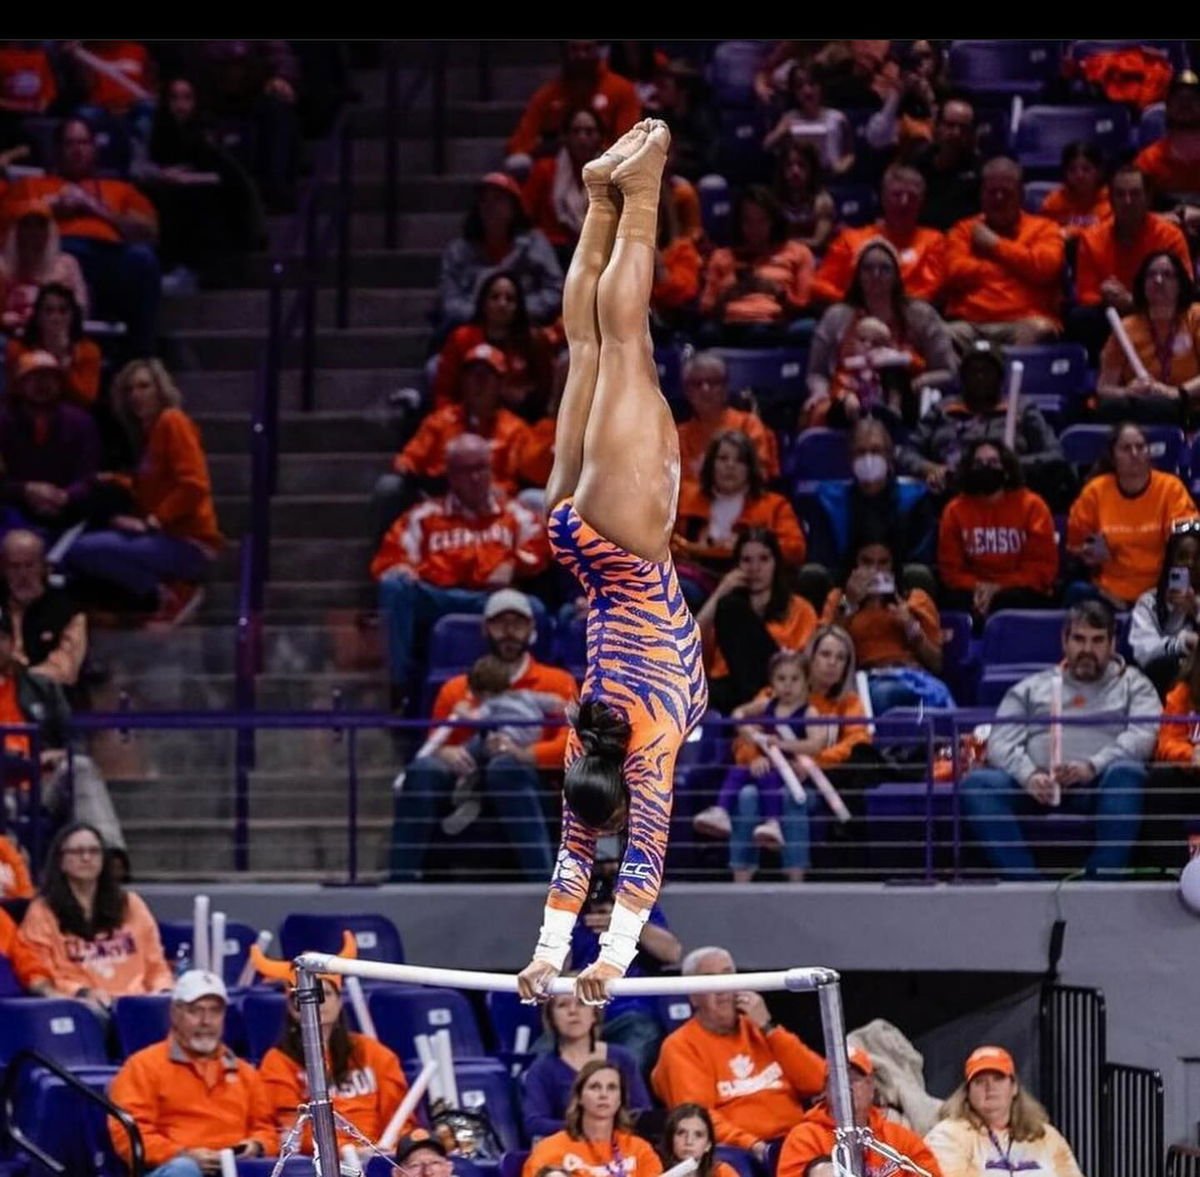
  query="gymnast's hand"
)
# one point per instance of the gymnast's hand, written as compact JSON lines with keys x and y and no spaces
{"x":533,"y":981}
{"x":591,"y":986}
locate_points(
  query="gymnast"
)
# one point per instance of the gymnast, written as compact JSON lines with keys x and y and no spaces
{"x":612,"y":493}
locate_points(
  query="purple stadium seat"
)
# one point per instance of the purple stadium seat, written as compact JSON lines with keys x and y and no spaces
{"x":144,"y":1019}
{"x":743,"y":1162}
{"x":9,"y":985}
{"x":263,"y":1012}
{"x":401,"y":1014}
{"x":857,"y":204}
{"x":732,"y":70}
{"x":1045,"y":130}
{"x":773,"y":371}
{"x":177,"y":944}
{"x":669,"y":361}
{"x":376,"y":935}
{"x":1056,"y":375}
{"x":457,"y":639}
{"x":1083,"y":444}
{"x":818,"y":454}
{"x":673,"y":1012}
{"x":716,"y":209}
{"x":63,"y":1030}
{"x":740,"y":154}
{"x":1003,"y":66}
{"x":1023,"y":636}
{"x":507,"y":1012}
{"x":896,"y":822}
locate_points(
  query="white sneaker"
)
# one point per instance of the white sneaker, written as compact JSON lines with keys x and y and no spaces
{"x":713,"y":822}
{"x":467,"y":805}
{"x":768,"y":834}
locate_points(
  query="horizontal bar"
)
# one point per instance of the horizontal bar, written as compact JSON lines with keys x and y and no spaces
{"x":795,"y":980}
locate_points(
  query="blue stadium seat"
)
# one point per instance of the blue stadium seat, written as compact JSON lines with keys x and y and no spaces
{"x":857,"y":204}
{"x":1083,"y":444}
{"x":818,"y":454}
{"x":484,"y":1085}
{"x":1035,"y":194}
{"x":1022,"y":636}
{"x":1045,"y":130}
{"x":1152,"y":126}
{"x":457,"y":639}
{"x":1003,"y":66}
{"x":716,"y":209}
{"x":61,"y":1029}
{"x":673,"y":1012}
{"x":177,"y":945}
{"x":376,"y":935}
{"x":506,"y":1012}
{"x":1056,"y":375}
{"x":732,"y":70}
{"x":774,"y":372}
{"x":263,"y":1013}
{"x":401,"y":1014}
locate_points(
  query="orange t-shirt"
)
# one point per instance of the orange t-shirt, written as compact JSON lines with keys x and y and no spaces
{"x":694,"y":439}
{"x":1167,"y":174}
{"x":769,"y":510}
{"x":15,"y":882}
{"x":425,"y":453}
{"x":1009,"y":542}
{"x":791,"y":632}
{"x":527,"y":369}
{"x":1102,"y":256}
{"x":83,"y":372}
{"x":626,"y":1154}
{"x":27,"y":83}
{"x":1174,"y":362}
{"x":789,"y":265}
{"x":1177,"y":740}
{"x":367,"y":1097}
{"x":679,"y":283}
{"x":1135,"y":529}
{"x":127,"y":57}
{"x":1020,"y":279}
{"x":116,"y":195}
{"x":922,"y":261}
{"x":753,"y":1084}
{"x":879,"y":638}
{"x":1076,"y":215}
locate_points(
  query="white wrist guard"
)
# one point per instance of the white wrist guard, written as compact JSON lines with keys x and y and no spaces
{"x":554,"y":940}
{"x":619,"y":945}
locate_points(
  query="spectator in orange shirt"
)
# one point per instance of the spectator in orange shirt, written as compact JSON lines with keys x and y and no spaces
{"x":706,"y":389}
{"x":554,"y":192}
{"x":110,"y":228}
{"x":445,"y":555}
{"x":27,"y":81}
{"x":190,"y":1095}
{"x":921,"y":252}
{"x":755,"y":290}
{"x":800,"y":189}
{"x":751,"y":615}
{"x":1081,"y":200}
{"x":1004,"y":268}
{"x":733,"y":1059}
{"x":1120,"y":523}
{"x":15,"y":882}
{"x":585,"y":80}
{"x":1168,"y":822}
{"x":677,"y":267}
{"x":56,"y":326}
{"x":33,"y":258}
{"x":689,"y":1135}
{"x":162,"y":534}
{"x":510,"y":778}
{"x":131,"y":60}
{"x":421,"y":465}
{"x":1172,"y":165}
{"x":996,"y":545}
{"x":1164,"y":329}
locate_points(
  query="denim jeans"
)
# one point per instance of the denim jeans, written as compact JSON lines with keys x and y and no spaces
{"x":178,"y":1167}
{"x":743,"y":854}
{"x":137,"y":563}
{"x":993,"y":802}
{"x":512,"y":787}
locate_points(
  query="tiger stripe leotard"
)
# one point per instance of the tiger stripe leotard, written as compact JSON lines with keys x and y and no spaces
{"x":644,"y":660}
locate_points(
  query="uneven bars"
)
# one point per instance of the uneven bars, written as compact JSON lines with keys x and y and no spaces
{"x":795,"y":980}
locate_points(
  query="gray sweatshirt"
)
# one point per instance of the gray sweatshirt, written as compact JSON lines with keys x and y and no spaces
{"x":1123,"y":694}
{"x":1148,"y":639}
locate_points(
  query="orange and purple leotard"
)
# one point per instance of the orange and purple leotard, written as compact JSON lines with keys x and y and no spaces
{"x":644,"y":660}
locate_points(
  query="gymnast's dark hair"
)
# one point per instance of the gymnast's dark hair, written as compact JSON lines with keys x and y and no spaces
{"x":594,"y":786}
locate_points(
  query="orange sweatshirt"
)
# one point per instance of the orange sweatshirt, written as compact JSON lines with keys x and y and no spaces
{"x":1167,"y":174}
{"x":626,"y":1154}
{"x":1178,"y":740}
{"x":548,"y":752}
{"x":368,"y":1096}
{"x":694,"y":437}
{"x":879,"y":638}
{"x":922,"y":261}
{"x":425,"y":453}
{"x":814,"y":1138}
{"x":789,"y":265}
{"x":123,"y":962}
{"x":752,"y":1083}
{"x":14,"y":872}
{"x":1102,"y":256}
{"x":83,"y":372}
{"x":1136,"y":530}
{"x":1072,"y":215}
{"x":768,"y":510}
{"x":1009,"y":542}
{"x":1020,"y":279}
{"x":182,"y":1102}
{"x":791,"y":632}
{"x":842,"y":739}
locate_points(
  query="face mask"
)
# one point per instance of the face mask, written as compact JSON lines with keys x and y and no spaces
{"x":870,"y":468}
{"x":983,"y":480}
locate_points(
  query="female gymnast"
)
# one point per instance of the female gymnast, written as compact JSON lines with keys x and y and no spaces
{"x":613,"y":491}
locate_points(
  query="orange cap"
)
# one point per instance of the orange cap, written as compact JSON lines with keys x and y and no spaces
{"x":485,"y":353}
{"x":283,"y":970}
{"x":860,"y":1059}
{"x":989,"y":1058}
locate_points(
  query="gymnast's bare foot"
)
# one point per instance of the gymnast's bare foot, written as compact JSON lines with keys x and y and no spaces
{"x":641,"y":173}
{"x":597,"y":175}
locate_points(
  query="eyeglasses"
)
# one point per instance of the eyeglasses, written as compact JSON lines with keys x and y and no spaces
{"x":83,"y":852}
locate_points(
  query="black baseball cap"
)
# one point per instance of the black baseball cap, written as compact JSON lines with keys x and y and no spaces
{"x":417,"y":1140}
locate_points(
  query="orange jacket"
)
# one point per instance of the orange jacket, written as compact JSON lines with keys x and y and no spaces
{"x":425,"y":453}
{"x":27,"y":83}
{"x":535,"y":457}
{"x":442,"y":543}
{"x":789,"y":265}
{"x":679,"y":283}
{"x":769,"y":510}
{"x":1136,"y":530}
{"x":116,"y":195}
{"x":752,"y":1083}
{"x":181,"y":1102}
{"x":527,"y":369}
{"x":539,"y":200}
{"x":1020,"y":279}
{"x":1166,"y":174}
{"x":548,"y":752}
{"x":1072,"y":215}
{"x":694,"y":438}
{"x":83,"y":372}
{"x":612,"y":97}
{"x":814,"y":1138}
{"x":1102,"y":256}
{"x":1177,"y":740}
{"x":1009,"y":542}
{"x":844,"y":738}
{"x":14,"y":872}
{"x":368,"y":1097}
{"x":922,"y":261}
{"x":123,"y":962}
{"x":129,"y":58}
{"x":791,"y":632}
{"x":878,"y":637}
{"x":594,"y":1158}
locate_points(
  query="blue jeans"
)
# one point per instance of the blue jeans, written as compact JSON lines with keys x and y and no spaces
{"x":138,"y":563}
{"x":126,"y":284}
{"x":796,"y":853}
{"x":410,"y":607}
{"x":179,"y":1167}
{"x":512,"y":787}
{"x":993,"y":802}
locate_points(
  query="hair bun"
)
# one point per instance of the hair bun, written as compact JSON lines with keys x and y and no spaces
{"x":602,"y":731}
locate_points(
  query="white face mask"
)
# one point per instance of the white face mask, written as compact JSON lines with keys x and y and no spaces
{"x":870,"y":468}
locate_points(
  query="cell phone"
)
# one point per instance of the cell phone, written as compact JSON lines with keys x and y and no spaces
{"x":1179,"y":579}
{"x":884,"y":585}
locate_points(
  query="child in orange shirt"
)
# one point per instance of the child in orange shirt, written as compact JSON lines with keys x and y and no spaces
{"x":689,"y":1135}
{"x":1081,"y":201}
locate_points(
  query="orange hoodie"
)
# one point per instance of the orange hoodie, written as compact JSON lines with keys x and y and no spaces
{"x":922,"y":261}
{"x":368,"y":1096}
{"x":1136,"y":530}
{"x":1009,"y":542}
{"x":1102,"y":256}
{"x":1020,"y":279}
{"x":182,"y":1102}
{"x":1177,"y":740}
{"x":14,"y":872}
{"x":752,"y":1083}
{"x":694,"y":437}
{"x":125,"y":961}
{"x":595,"y":1158}
{"x":769,"y":510}
{"x":814,"y":1138}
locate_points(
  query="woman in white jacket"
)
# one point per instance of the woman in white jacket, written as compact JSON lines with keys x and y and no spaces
{"x":992,"y":1126}
{"x":1163,"y":630}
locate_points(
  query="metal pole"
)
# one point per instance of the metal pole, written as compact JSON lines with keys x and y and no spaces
{"x":345,"y":200}
{"x":320,"y":1109}
{"x":841,"y":1103}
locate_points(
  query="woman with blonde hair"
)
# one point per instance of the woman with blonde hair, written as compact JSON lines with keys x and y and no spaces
{"x":992,"y":1124}
{"x":32,"y":259}
{"x":162,"y":532}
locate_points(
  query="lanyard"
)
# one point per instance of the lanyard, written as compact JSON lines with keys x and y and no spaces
{"x":1003,"y":1153}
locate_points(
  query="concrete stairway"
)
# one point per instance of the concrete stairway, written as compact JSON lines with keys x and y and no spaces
{"x":175,"y":790}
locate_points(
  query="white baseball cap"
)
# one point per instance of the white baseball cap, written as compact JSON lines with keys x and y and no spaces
{"x":507,"y":601}
{"x":198,"y":983}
